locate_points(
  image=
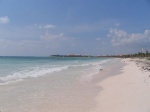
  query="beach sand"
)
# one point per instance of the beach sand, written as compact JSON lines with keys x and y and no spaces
{"x":129,"y":91}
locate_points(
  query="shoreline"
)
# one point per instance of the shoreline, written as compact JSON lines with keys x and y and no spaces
{"x":126,"y":92}
{"x":122,"y":85}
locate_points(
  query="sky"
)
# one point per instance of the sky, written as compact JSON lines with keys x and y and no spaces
{"x":87,"y":27}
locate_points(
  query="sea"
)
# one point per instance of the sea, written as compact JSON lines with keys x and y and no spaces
{"x":49,"y":84}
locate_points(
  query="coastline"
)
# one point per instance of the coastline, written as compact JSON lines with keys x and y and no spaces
{"x":121,"y":85}
{"x":126,"y":92}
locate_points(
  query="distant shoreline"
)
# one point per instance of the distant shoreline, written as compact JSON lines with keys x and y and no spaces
{"x":107,"y":56}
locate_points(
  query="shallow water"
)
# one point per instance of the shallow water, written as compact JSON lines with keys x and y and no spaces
{"x":16,"y":68}
{"x":67,"y":90}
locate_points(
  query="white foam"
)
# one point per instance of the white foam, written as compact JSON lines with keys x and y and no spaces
{"x":42,"y":70}
{"x":33,"y":73}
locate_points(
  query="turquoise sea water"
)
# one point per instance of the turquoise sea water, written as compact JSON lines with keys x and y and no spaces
{"x":16,"y":68}
{"x":48,"y":84}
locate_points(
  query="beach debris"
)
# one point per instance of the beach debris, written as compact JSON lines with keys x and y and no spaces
{"x":100,"y":69}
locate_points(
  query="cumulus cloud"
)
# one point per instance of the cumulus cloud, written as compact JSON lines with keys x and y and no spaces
{"x":48,"y":26}
{"x":4,"y":20}
{"x":121,"y":37}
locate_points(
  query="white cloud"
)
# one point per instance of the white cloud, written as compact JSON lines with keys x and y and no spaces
{"x":48,"y":36}
{"x":4,"y":20}
{"x":48,"y":26}
{"x":121,"y":37}
{"x":117,"y":24}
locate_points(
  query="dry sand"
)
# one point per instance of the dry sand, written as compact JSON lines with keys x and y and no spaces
{"x":127,"y":92}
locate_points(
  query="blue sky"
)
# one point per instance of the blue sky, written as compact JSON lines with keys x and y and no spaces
{"x":96,"y":27}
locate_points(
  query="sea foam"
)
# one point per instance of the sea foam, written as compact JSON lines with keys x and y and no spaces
{"x":33,"y":72}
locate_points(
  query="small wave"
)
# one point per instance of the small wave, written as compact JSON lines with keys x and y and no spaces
{"x":33,"y":73}
{"x":92,"y":63}
{"x":40,"y":71}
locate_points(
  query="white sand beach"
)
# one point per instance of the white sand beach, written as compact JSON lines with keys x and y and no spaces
{"x":122,"y":85}
{"x":126,"y":92}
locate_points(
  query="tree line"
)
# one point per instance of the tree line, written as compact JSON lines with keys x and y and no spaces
{"x":139,"y":54}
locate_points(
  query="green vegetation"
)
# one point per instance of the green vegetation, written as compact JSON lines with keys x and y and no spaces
{"x":139,"y":54}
